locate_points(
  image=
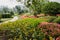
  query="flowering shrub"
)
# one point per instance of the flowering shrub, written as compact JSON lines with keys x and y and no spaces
{"x":26,"y":16}
{"x":58,"y":38}
{"x":50,"y":29}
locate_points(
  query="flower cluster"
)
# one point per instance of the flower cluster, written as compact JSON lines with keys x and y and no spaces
{"x":26,"y":16}
{"x":51,"y":29}
{"x":58,"y":38}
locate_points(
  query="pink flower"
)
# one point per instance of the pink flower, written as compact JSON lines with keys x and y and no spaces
{"x":58,"y":25}
{"x":46,"y":33}
{"x":58,"y":38}
{"x":50,"y":28}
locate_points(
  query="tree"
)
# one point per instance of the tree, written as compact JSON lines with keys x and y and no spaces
{"x":5,"y":9}
{"x":21,"y":9}
{"x":18,"y":8}
{"x":36,"y":5}
{"x":51,"y":8}
{"x":0,"y":17}
{"x":7,"y":12}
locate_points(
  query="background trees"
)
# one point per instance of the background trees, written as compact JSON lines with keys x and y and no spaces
{"x":36,"y":5}
{"x":21,"y":9}
{"x":5,"y":9}
{"x":18,"y":8}
{"x":6,"y":12}
{"x":51,"y":8}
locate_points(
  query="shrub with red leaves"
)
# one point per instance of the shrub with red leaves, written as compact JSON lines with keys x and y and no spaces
{"x":32,"y":16}
{"x":58,"y":38}
{"x":26,"y":16}
{"x":51,"y":29}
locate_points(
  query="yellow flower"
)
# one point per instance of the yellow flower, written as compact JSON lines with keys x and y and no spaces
{"x":50,"y":38}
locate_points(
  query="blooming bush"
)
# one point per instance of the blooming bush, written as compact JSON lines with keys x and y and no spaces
{"x":26,"y":16}
{"x":50,"y":29}
{"x":58,"y":38}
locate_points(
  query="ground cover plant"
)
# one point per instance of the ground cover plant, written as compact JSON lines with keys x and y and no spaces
{"x":24,"y":29}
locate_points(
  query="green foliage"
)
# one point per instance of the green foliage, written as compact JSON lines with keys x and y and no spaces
{"x":51,"y":8}
{"x":19,"y":10}
{"x":0,"y":17}
{"x":6,"y":15}
{"x":54,"y":19}
{"x":25,"y":29}
{"x":6,"y":12}
{"x":57,"y":20}
{"x":51,"y":18}
{"x":35,"y":5}
{"x":5,"y":9}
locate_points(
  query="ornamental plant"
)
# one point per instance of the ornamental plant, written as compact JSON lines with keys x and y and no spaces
{"x":57,"y":20}
{"x":50,"y":29}
{"x":58,"y":38}
{"x":25,"y":29}
{"x":51,"y":18}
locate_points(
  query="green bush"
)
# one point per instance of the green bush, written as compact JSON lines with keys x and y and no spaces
{"x":25,"y":29}
{"x":57,"y":20}
{"x":6,"y":15}
{"x":51,"y":18}
{"x":51,"y":8}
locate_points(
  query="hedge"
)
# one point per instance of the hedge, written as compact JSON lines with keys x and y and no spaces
{"x":6,"y":15}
